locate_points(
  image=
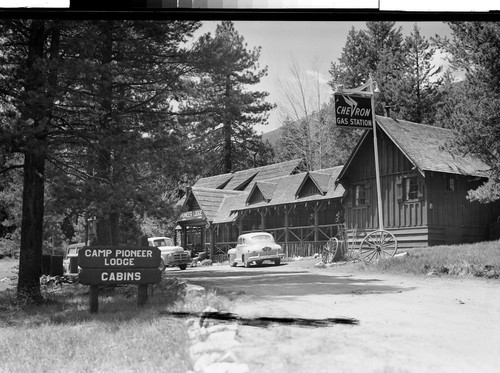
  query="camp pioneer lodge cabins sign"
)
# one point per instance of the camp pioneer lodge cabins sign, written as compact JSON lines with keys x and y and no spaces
{"x":119,"y":265}
{"x":102,"y":265}
{"x":353,"y":111}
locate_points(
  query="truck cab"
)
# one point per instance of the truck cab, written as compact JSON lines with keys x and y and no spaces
{"x":171,"y":254}
{"x":70,"y":262}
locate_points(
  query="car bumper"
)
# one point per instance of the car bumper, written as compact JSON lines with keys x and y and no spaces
{"x":266,"y":257}
{"x":173,"y":262}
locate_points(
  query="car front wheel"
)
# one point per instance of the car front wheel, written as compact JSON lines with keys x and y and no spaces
{"x":183,"y":267}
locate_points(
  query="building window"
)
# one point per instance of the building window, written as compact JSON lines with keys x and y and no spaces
{"x":410,"y":188}
{"x":359,"y":195}
{"x":451,"y":183}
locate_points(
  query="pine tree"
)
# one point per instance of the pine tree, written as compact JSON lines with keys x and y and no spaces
{"x":474,"y":49}
{"x":418,"y":92}
{"x":89,"y":102}
{"x":29,"y":78}
{"x":376,"y":51}
{"x":121,"y":93}
{"x":226,"y":108}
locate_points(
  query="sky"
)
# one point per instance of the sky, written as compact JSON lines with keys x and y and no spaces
{"x":311,"y":45}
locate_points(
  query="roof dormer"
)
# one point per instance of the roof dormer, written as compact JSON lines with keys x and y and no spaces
{"x":314,"y":183}
{"x":261,"y":192}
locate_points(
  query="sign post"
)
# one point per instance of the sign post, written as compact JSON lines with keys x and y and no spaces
{"x":105,"y":265}
{"x":356,"y":109}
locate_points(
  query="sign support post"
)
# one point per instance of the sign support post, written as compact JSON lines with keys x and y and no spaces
{"x":377,"y":167}
{"x":142,"y":294}
{"x":94,"y":298}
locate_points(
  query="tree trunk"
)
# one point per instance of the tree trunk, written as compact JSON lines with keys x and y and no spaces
{"x":227,"y":133}
{"x":108,"y":222}
{"x":30,"y":259}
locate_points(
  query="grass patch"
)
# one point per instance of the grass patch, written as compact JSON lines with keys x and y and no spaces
{"x":61,"y":335}
{"x":478,"y":260}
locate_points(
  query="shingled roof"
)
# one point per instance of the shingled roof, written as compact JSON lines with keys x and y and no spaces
{"x":227,"y":211}
{"x":287,"y":188}
{"x":266,"y":188}
{"x":245,"y":179}
{"x":424,"y":146}
{"x":210,"y":200}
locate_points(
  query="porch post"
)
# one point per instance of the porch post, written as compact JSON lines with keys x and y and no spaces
{"x":184,"y":237}
{"x":211,"y":237}
{"x":262,"y":219}
{"x":240,"y":223}
{"x":287,"y":233}
{"x":316,"y":222}
{"x":202,"y":238}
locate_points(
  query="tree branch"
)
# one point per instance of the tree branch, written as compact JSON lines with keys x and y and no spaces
{"x":7,"y":169}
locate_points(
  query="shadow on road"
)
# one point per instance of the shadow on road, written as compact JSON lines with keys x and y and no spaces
{"x":277,"y":282}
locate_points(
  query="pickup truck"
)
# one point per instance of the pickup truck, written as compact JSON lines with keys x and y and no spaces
{"x":171,"y":255}
{"x":70,"y":262}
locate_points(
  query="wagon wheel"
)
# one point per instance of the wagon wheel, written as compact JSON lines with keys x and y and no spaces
{"x":378,"y":244}
{"x":330,"y":250}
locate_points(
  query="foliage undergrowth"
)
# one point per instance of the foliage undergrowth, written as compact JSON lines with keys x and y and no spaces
{"x":478,"y":260}
{"x":59,"y":334}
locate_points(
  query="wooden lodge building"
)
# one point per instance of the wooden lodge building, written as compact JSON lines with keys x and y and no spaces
{"x":423,"y":187}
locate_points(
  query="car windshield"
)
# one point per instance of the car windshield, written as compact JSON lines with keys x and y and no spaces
{"x":163,"y":242}
{"x":262,"y":237}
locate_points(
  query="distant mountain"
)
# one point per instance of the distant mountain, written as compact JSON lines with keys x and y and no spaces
{"x":272,"y":136}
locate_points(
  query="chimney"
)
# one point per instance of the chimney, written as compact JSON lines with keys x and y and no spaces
{"x":387,"y":111}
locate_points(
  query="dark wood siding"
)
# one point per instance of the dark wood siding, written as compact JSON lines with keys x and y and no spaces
{"x":437,"y":211}
{"x":452,"y":217}
{"x":394,"y":168}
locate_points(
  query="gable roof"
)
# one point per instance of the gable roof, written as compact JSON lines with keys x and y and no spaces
{"x":227,"y":211}
{"x":210,"y":200}
{"x":424,"y":146}
{"x":321,"y":178}
{"x":265,"y":188}
{"x":236,"y":180}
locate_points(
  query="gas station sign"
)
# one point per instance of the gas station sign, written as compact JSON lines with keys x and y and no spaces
{"x":353,"y":111}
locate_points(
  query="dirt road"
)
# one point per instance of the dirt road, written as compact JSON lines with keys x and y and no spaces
{"x":406,"y":324}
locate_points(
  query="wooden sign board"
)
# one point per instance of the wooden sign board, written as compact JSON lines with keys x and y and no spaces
{"x":116,"y":265}
{"x":101,"y":276}
{"x":353,"y":111}
{"x":119,"y":257}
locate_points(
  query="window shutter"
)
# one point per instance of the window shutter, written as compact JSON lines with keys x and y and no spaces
{"x":399,"y":188}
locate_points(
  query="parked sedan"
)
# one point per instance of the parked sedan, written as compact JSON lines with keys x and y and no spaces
{"x":255,"y":247}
